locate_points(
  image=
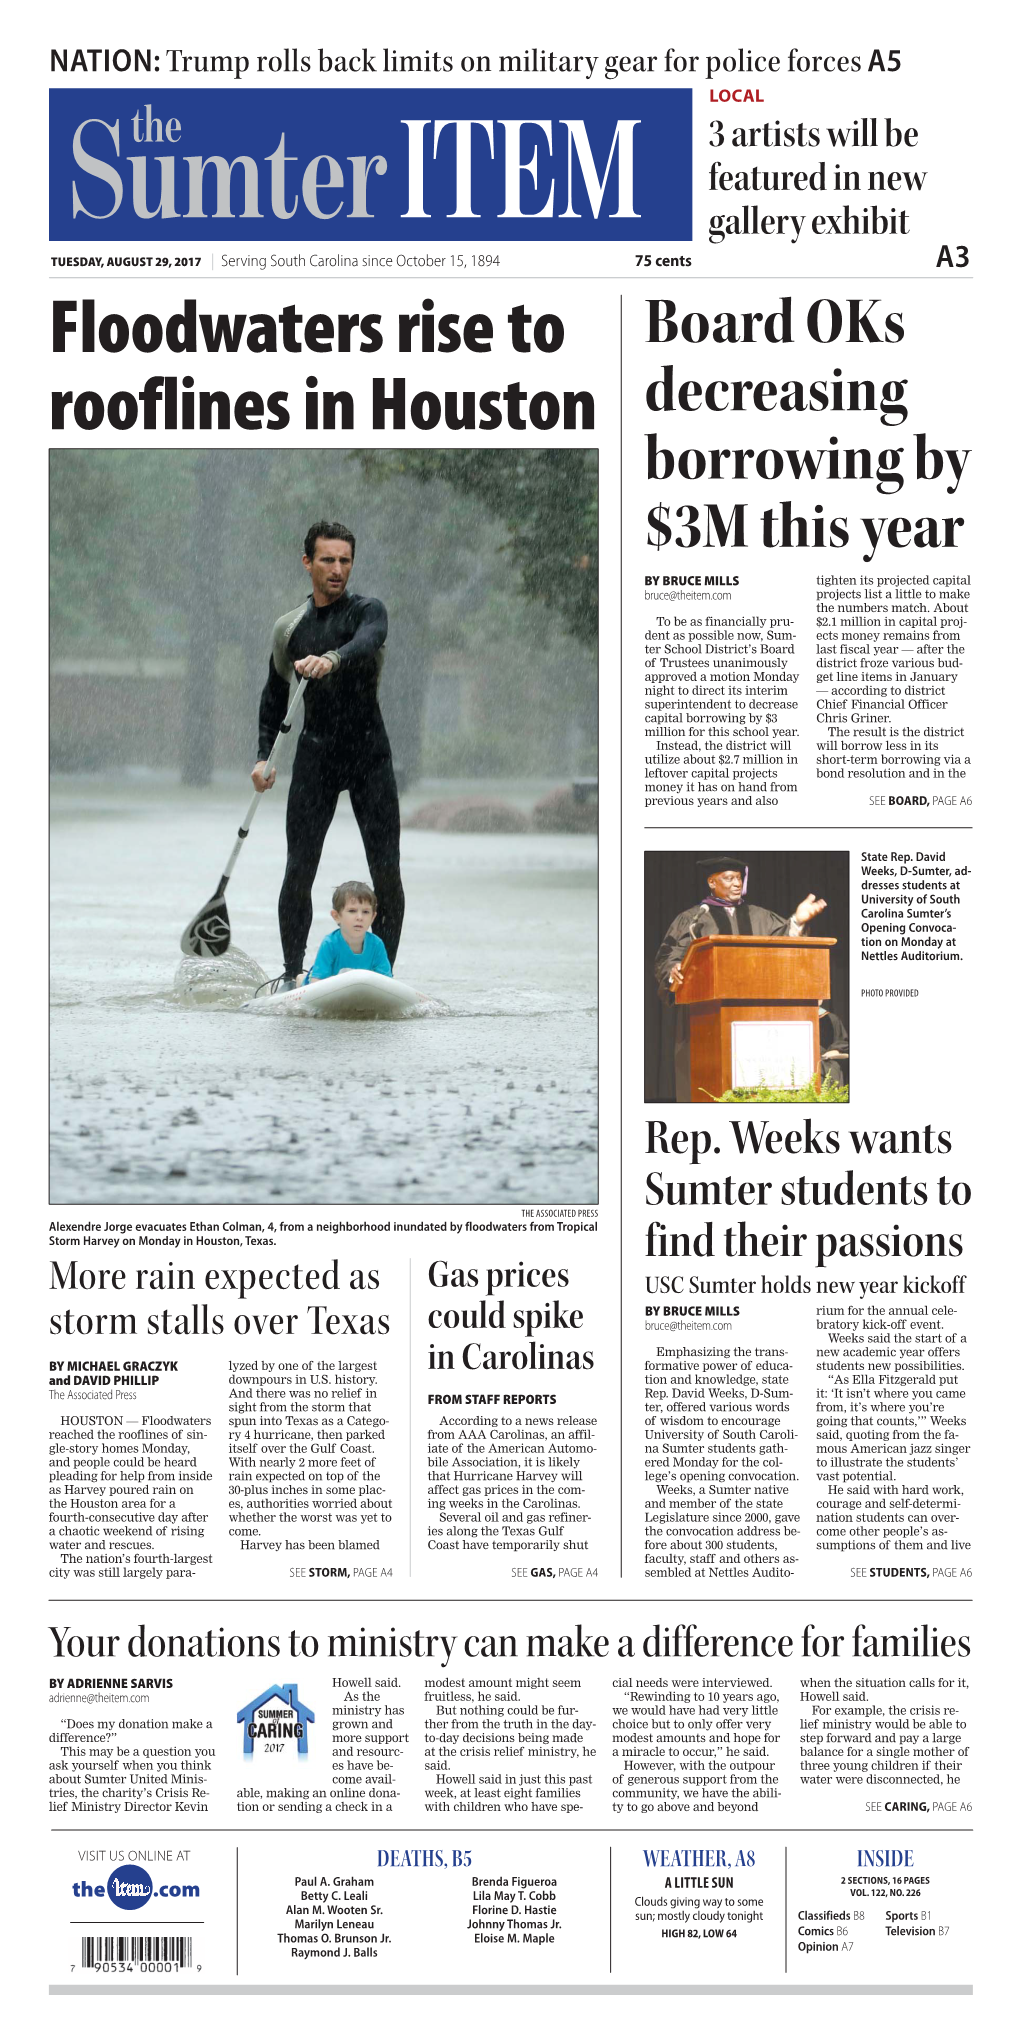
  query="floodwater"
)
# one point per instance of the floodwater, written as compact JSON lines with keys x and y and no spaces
{"x":165,"y":1092}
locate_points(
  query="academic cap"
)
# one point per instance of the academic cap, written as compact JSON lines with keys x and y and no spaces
{"x":722,"y":860}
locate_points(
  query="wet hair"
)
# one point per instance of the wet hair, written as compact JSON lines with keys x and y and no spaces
{"x":353,"y":889}
{"x":326,"y":530}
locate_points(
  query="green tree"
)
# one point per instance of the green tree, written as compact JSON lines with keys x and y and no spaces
{"x":548,"y":502}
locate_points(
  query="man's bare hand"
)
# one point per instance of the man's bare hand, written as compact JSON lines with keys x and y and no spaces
{"x":313,"y":668}
{"x":808,"y":908}
{"x":261,"y":779}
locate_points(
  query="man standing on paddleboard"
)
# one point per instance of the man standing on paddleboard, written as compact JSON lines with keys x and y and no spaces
{"x":336,"y":639}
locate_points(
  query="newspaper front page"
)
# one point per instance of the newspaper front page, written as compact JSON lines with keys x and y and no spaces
{"x":508,"y":1438}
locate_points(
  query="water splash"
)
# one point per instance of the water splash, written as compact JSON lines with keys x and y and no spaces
{"x":224,"y":982}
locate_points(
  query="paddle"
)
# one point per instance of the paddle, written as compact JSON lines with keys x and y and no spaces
{"x":208,"y":935}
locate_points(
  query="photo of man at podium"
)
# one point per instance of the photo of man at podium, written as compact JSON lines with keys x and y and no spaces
{"x":754,"y":1010}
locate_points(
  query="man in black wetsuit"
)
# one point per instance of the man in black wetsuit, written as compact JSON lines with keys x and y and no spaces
{"x":336,"y":639}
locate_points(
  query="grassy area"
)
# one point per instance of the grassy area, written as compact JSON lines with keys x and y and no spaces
{"x":831,"y":1093}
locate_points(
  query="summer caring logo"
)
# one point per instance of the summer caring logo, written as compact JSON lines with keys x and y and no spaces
{"x":276,"y":1718}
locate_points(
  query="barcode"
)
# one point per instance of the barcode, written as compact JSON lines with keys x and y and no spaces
{"x":99,"y":1948}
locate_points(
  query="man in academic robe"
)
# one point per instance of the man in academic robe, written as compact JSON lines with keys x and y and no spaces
{"x":724,"y":910}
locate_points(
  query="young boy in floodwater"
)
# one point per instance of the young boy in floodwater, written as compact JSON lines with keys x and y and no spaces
{"x":352,"y":945}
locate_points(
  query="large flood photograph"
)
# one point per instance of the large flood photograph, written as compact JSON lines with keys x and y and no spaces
{"x":324,"y":827}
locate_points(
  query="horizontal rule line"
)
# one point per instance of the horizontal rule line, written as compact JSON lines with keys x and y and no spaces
{"x":134,"y":275}
{"x":839,"y":828}
{"x":512,"y":1990}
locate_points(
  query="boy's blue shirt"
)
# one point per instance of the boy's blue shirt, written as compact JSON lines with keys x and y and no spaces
{"x":334,"y":955}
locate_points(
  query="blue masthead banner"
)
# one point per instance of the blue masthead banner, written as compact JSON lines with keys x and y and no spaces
{"x":358,"y":165}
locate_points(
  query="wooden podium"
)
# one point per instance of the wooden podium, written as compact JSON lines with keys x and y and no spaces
{"x":752,"y":1002}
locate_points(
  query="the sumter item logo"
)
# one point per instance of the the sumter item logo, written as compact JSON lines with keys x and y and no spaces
{"x":538,"y":162}
{"x":130,"y":1888}
{"x":277,"y":1716}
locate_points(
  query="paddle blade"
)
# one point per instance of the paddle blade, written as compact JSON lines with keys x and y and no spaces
{"x":208,"y":935}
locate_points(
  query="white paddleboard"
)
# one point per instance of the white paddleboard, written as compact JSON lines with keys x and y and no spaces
{"x":351,"y":995}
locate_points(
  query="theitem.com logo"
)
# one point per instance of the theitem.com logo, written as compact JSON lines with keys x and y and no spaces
{"x":132,"y":1888}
